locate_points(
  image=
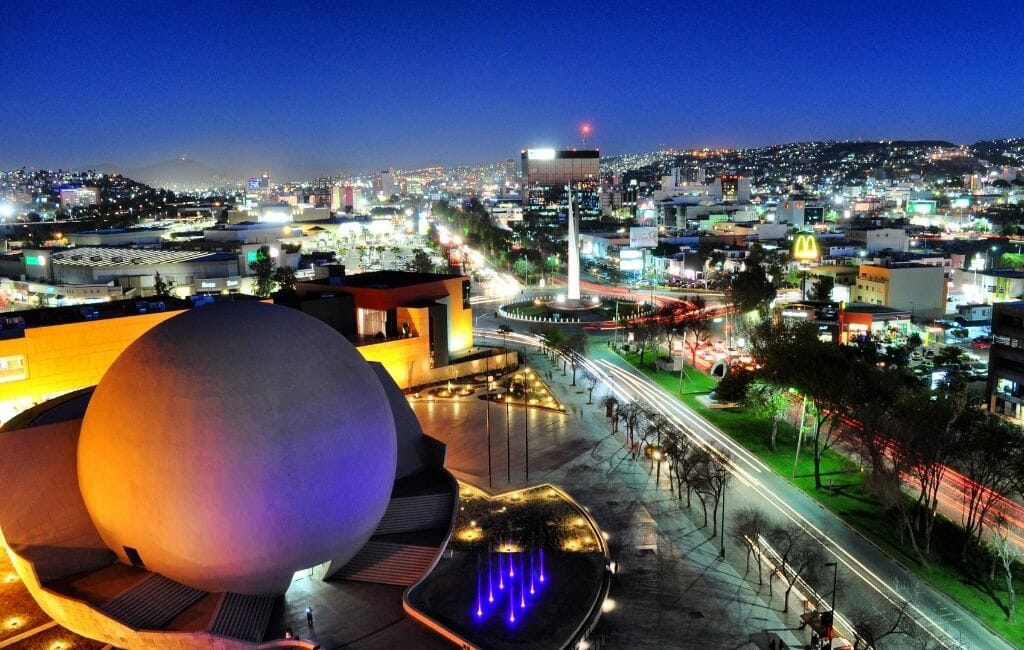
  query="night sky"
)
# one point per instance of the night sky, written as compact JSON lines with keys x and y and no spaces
{"x":364,"y":84}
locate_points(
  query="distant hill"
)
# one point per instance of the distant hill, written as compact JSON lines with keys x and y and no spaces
{"x":181,"y":173}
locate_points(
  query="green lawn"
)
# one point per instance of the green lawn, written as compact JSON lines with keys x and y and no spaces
{"x":967,"y":583}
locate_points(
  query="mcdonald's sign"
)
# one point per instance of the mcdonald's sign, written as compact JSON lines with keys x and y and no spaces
{"x":805,"y":248}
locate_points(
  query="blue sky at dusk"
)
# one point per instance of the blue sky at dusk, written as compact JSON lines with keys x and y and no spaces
{"x":265,"y":84}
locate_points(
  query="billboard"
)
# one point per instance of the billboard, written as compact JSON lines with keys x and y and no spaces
{"x":643,"y":237}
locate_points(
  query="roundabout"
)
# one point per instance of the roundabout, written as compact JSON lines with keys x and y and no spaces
{"x":590,"y":309}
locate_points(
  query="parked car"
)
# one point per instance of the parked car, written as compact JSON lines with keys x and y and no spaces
{"x":980,"y":344}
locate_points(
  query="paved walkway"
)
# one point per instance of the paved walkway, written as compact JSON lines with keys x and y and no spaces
{"x":672,"y":589}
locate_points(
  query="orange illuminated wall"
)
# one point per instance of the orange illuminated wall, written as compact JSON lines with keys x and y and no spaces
{"x":58,"y":359}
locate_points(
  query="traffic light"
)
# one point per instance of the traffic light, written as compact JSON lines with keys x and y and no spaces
{"x":827,"y":619}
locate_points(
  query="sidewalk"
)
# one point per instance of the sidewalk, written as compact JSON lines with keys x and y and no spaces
{"x":672,"y":589}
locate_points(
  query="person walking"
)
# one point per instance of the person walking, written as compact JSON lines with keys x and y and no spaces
{"x":309,"y":616}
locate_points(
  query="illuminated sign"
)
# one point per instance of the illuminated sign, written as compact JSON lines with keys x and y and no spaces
{"x":921,"y":207}
{"x":805,"y":248}
{"x":962,"y":202}
{"x":250,"y":257}
{"x":540,"y":154}
{"x":13,"y":368}
{"x":643,"y":237}
{"x":35,"y":260}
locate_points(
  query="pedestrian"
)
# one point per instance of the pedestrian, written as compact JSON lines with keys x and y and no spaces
{"x":288,"y":633}
{"x":309,"y":616}
{"x":815,"y":640}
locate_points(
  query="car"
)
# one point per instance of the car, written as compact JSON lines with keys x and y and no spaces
{"x":929,"y":353}
{"x":980,"y":345}
{"x":916,"y":355}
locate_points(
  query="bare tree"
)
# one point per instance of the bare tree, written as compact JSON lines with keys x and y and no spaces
{"x":993,"y":463}
{"x":874,"y":623}
{"x":632,"y":415}
{"x":1007,"y":553}
{"x":748,"y":526}
{"x":575,"y":348}
{"x":801,"y":556}
{"x":589,"y":382}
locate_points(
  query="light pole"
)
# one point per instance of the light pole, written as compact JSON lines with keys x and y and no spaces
{"x":487,"y":403}
{"x":721,"y":551}
{"x":526,"y":435}
{"x":835,"y":582}
{"x":508,"y":435}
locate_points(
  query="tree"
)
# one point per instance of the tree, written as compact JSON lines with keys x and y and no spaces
{"x":631,"y":414}
{"x":576,"y":349}
{"x":421,"y":262}
{"x":162,"y":288}
{"x":802,"y":557}
{"x":1005,"y":550}
{"x":822,"y":289}
{"x":751,"y":289}
{"x":993,"y":462}
{"x":589,"y":382}
{"x":645,"y":334}
{"x":872,"y":624}
{"x":770,"y":401}
{"x":284,"y":277}
{"x":263,"y":269}
{"x":749,"y":525}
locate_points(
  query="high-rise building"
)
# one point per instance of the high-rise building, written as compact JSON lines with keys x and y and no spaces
{"x":731,"y":188}
{"x":389,"y":183}
{"x":547,"y":174}
{"x":78,"y":197}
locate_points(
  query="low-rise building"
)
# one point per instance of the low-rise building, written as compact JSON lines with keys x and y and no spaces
{"x":1005,"y":387}
{"x":917,"y":288}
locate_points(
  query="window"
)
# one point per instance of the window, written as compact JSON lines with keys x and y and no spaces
{"x":133,"y":556}
{"x":13,"y":368}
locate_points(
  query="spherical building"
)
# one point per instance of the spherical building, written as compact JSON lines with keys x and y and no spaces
{"x":235,"y":444}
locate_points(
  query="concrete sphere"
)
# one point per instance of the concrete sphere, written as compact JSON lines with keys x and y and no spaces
{"x":235,"y":444}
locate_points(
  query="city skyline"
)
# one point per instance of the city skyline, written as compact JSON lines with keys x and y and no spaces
{"x":317,"y":87}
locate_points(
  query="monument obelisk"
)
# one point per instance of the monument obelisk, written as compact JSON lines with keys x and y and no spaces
{"x":573,"y":292}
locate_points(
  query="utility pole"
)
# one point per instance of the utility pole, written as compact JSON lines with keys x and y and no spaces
{"x":800,"y":432}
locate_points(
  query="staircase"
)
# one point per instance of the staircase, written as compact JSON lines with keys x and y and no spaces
{"x":152,"y":602}
{"x":389,"y":563}
{"x":410,"y":534}
{"x":421,"y":512}
{"x":243,"y":617}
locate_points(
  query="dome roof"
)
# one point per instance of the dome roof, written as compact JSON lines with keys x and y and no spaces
{"x":235,"y":444}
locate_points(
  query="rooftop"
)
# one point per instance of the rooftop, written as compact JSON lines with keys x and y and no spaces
{"x":98,"y":256}
{"x":393,"y":279}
